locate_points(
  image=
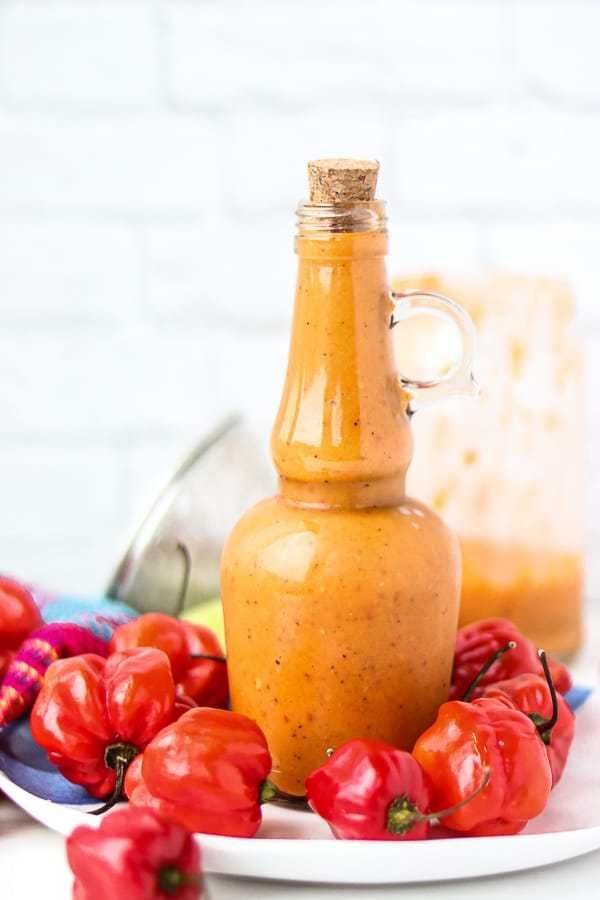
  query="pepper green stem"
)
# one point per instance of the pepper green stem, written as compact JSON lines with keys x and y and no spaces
{"x":403,"y":814}
{"x":268,"y":791}
{"x":545,"y":726}
{"x":119,"y":758}
{"x":485,"y":669}
{"x":170,"y":879}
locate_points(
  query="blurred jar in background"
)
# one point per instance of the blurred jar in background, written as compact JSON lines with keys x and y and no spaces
{"x":506,"y":471}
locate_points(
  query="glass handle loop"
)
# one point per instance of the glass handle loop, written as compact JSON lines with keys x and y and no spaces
{"x":459,"y":378}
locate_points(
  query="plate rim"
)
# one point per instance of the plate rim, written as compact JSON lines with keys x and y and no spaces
{"x":221,"y":853}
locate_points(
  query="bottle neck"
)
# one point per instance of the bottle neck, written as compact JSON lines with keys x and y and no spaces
{"x":341,"y":437}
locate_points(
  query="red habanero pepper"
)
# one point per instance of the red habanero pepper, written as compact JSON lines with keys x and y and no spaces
{"x":94,"y":715}
{"x":155,"y":630}
{"x":476,"y":642}
{"x":464,"y":741}
{"x":205,"y":679}
{"x":183,"y":704}
{"x":549,"y":712}
{"x":19,"y":614}
{"x":368,"y":790}
{"x":134,"y":855}
{"x":5,"y":661}
{"x":208,"y":771}
{"x":199,"y":666}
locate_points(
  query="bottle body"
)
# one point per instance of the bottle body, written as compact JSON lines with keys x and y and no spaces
{"x":340,"y":624}
{"x":340,"y":595}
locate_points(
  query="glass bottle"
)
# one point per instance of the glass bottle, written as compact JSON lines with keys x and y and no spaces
{"x":341,"y":594}
{"x":507,"y":473}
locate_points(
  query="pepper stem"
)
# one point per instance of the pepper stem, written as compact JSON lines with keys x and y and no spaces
{"x":545,"y":726}
{"x":403,"y":814}
{"x":208,"y":656}
{"x":268,"y":792}
{"x":485,"y":669}
{"x":170,"y":879}
{"x":117,"y":757}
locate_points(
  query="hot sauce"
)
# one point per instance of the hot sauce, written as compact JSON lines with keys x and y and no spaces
{"x":340,"y":594}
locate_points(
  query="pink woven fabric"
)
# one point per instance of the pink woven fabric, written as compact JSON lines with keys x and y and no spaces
{"x":23,"y":678}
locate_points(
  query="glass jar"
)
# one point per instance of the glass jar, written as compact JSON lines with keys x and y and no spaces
{"x":506,"y":472}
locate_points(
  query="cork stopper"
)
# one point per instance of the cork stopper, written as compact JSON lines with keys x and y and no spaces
{"x":342,"y":180}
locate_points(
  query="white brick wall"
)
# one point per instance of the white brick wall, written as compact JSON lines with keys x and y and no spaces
{"x":121,"y":167}
{"x":80,"y":55}
{"x":189,"y":277}
{"x":151,"y":155}
{"x":289,"y":53}
{"x":56,"y":274}
{"x":557,"y":49}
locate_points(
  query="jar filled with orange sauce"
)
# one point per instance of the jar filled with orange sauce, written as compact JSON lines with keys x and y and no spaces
{"x":507,"y":473}
{"x":341,"y":593}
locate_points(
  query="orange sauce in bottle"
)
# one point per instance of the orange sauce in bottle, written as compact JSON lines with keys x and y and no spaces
{"x":340,"y":594}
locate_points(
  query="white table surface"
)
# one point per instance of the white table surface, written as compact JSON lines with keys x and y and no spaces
{"x":33,"y":864}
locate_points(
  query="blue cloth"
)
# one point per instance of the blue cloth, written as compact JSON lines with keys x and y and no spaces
{"x":577,"y":696}
{"x":99,"y":615}
{"x":21,"y":759}
{"x":26,"y":764}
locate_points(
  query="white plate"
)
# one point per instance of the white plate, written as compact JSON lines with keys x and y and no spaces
{"x":297,"y":846}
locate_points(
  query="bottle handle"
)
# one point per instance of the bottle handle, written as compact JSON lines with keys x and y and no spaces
{"x":459,"y":378}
